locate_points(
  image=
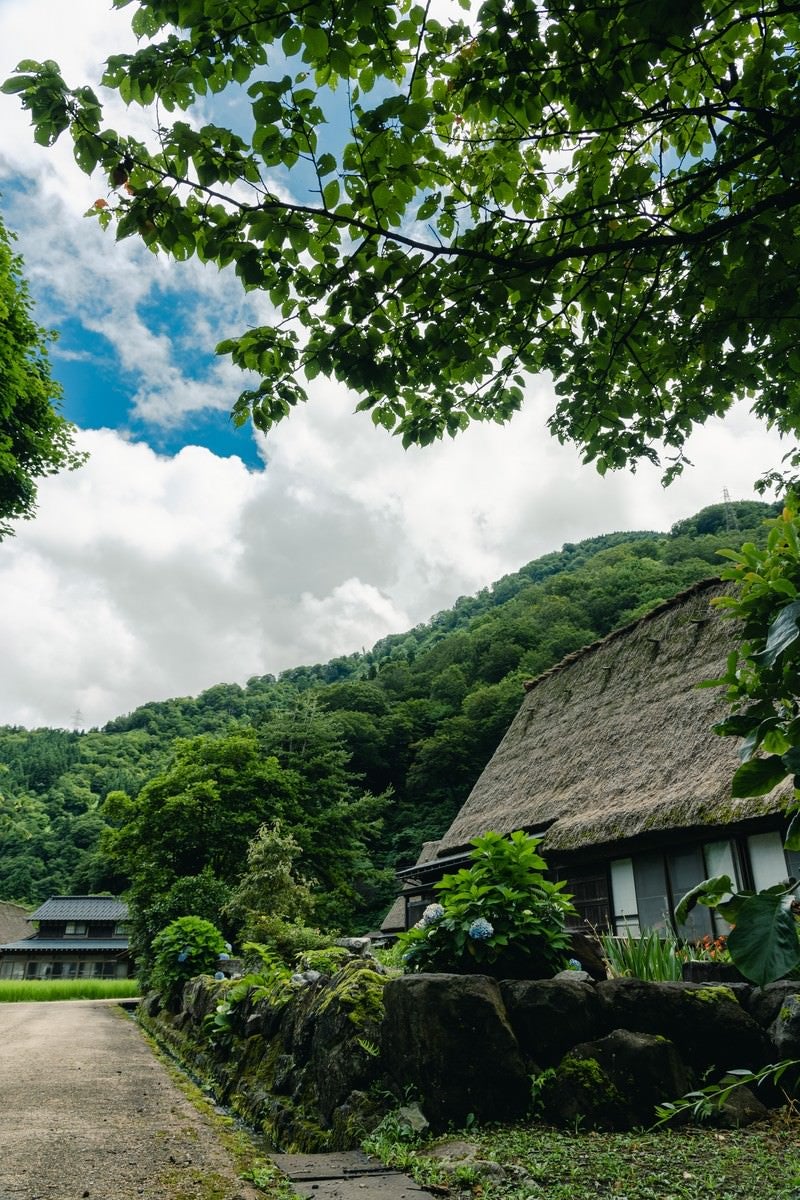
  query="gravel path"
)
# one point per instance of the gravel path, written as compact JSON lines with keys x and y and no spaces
{"x":87,"y":1111}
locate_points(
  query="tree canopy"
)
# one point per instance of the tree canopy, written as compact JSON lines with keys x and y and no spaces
{"x":35,"y":440}
{"x":604,"y":191}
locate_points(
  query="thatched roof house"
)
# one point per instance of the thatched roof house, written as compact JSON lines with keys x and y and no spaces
{"x":613,"y":761}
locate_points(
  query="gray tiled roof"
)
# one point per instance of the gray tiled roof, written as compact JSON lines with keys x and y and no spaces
{"x":81,"y":908}
{"x":36,"y":945}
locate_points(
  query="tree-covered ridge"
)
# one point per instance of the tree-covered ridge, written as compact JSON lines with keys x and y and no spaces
{"x":372,"y":753}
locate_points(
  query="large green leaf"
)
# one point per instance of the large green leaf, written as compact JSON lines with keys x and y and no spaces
{"x":758,"y":776}
{"x":710,"y":892}
{"x":765,"y":943}
{"x":793,"y":833}
{"x":783,"y":632}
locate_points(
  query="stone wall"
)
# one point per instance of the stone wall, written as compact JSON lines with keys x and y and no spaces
{"x":320,"y":1070}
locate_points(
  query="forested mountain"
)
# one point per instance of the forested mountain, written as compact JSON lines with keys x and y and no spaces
{"x":362,"y":758}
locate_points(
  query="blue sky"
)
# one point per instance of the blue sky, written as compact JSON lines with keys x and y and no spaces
{"x":187,"y":553}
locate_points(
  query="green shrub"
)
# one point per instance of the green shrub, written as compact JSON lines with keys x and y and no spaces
{"x":499,"y":917}
{"x":187,"y":947}
{"x":327,"y":961}
{"x":290,"y":939}
{"x":649,"y":956}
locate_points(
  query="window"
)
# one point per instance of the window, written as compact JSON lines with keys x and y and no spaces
{"x":589,"y":890}
{"x":721,"y":859}
{"x":650,"y":875}
{"x":686,"y":869}
{"x":623,"y":892}
{"x":76,"y":929}
{"x":767,"y":859}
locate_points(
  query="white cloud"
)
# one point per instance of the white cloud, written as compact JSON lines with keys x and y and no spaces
{"x":145,"y":577}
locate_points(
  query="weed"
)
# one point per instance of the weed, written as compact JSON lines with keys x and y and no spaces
{"x":647,"y":957}
{"x":661,"y":1164}
{"x":704,"y":1102}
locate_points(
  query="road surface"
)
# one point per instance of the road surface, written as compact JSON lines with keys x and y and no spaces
{"x":87,"y":1112}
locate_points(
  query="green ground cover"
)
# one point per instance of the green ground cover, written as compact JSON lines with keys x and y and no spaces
{"x":690,"y":1163}
{"x":12,"y":990}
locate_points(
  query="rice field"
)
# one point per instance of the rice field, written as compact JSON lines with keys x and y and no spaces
{"x":14,"y":991}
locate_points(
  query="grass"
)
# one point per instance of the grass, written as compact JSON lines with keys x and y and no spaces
{"x":14,"y":991}
{"x":694,"y":1163}
{"x":249,"y":1159}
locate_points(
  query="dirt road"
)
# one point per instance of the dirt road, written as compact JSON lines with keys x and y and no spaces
{"x":88,"y":1113}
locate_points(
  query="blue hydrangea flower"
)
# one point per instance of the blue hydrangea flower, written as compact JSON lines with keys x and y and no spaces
{"x":434,"y":912}
{"x":224,"y":957}
{"x":574,"y":965}
{"x":481,"y":929}
{"x":219,"y":975}
{"x":183,"y":955}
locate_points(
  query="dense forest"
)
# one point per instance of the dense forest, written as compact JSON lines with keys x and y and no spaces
{"x":358,"y":760}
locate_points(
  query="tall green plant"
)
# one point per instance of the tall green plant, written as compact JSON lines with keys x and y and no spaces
{"x":501,"y":916}
{"x":762,"y":686}
{"x":647,"y":957}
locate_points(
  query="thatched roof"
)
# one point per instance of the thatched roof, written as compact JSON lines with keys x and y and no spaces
{"x":13,"y":922}
{"x":616,"y":741}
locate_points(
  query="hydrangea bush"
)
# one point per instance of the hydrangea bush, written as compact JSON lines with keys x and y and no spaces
{"x":500,"y":916}
{"x":187,"y":947}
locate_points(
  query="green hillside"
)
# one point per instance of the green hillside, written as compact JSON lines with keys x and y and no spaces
{"x":369,"y":754}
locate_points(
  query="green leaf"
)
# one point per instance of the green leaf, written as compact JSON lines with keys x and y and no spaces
{"x":793,"y":833}
{"x":710,"y":892}
{"x":415,"y":116}
{"x":765,"y":944}
{"x":330,"y":196}
{"x":18,"y":84}
{"x":316,"y":41}
{"x":783,"y":633}
{"x":758,"y":776}
{"x":292,"y":41}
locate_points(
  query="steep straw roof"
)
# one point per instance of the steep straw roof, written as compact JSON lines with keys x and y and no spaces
{"x":616,"y":740}
{"x":13,"y":922}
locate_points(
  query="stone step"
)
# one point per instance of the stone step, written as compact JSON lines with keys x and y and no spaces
{"x":347,"y":1175}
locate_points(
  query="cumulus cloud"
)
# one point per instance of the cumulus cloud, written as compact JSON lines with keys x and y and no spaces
{"x":145,"y":577}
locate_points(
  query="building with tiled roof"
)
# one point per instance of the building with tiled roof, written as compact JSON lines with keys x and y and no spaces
{"x":76,"y":937}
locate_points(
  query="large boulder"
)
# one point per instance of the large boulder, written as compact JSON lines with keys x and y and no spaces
{"x":766,"y":1002}
{"x":614,"y":1082}
{"x":708,"y":1026}
{"x":785,"y":1029}
{"x":548,"y":1016}
{"x":448,"y":1037}
{"x":344,"y":1051}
